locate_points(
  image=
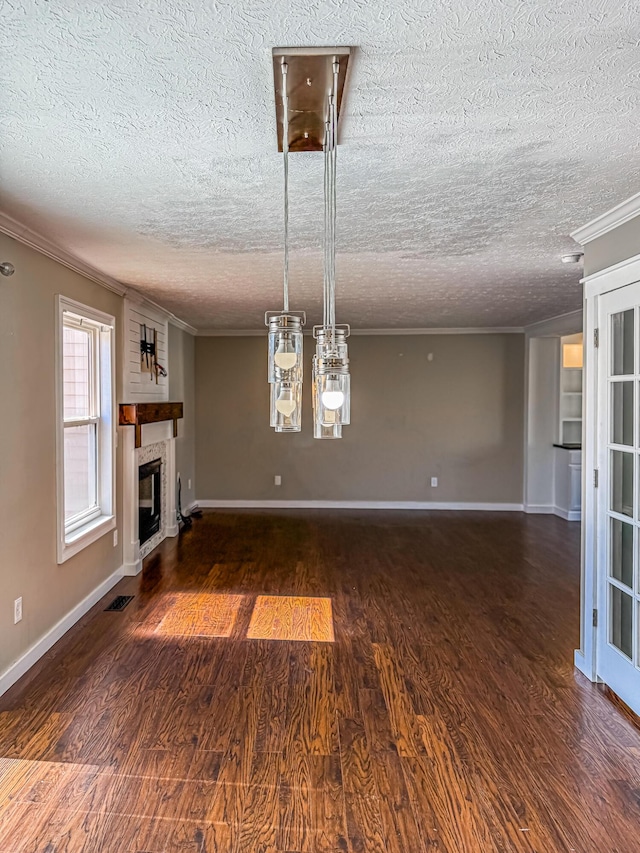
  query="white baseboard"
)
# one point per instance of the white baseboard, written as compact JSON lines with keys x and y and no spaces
{"x":268,"y":504}
{"x":9,"y":677}
{"x":130,"y":570}
{"x":567,"y":514}
{"x":549,"y":509}
{"x":540,"y":509}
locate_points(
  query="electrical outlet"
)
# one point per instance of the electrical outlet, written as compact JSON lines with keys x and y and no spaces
{"x":17,"y":610}
{"x":189,"y":484}
{"x":277,"y":480}
{"x":434,"y":482}
{"x":115,"y":538}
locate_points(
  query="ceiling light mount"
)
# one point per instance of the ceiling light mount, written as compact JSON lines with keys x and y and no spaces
{"x":572,"y":258}
{"x":310,"y":78}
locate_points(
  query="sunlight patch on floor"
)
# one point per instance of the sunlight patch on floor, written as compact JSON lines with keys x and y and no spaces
{"x":289,"y":617}
{"x":201,"y":615}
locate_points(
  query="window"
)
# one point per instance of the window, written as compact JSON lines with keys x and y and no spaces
{"x":86,"y":430}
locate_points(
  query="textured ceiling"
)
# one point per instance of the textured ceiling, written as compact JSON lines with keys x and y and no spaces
{"x":140,"y":136}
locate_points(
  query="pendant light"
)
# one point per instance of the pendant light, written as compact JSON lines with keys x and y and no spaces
{"x":285,"y":327}
{"x":331,"y":379}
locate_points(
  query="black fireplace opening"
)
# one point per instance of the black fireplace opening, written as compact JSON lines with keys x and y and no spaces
{"x":149,"y":499}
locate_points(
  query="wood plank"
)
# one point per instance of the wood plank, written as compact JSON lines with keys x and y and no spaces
{"x":402,"y":716}
{"x":311,"y":721}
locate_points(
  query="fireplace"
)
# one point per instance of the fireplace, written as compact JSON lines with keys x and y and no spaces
{"x":149,"y":499}
{"x":158,"y":448}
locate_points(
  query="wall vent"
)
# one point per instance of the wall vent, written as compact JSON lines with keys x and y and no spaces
{"x":119,"y":602}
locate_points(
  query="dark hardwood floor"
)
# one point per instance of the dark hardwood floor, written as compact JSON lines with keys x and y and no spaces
{"x":446,"y":716}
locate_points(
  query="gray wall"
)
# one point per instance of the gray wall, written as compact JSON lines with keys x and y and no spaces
{"x":458,"y":417}
{"x":618,"y":245}
{"x":181,"y":387}
{"x":28,"y":565}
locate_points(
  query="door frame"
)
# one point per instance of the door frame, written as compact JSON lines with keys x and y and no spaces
{"x":540,"y":435}
{"x":595,"y":285}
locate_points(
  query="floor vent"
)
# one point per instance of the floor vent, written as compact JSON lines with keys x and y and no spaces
{"x":119,"y":603}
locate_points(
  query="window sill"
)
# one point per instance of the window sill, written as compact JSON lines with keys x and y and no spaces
{"x":78,"y":539}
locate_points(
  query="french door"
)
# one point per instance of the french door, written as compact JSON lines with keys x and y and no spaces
{"x":618,"y":503}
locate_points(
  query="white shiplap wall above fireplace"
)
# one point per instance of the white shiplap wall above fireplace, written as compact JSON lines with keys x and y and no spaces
{"x":138,"y":386}
{"x":157,"y":438}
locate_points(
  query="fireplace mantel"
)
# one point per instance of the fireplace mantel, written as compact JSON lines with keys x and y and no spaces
{"x":137,"y":414}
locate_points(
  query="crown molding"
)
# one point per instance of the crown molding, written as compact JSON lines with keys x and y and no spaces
{"x":561,"y":324}
{"x":471,"y":330}
{"x":456,"y":330}
{"x":23,"y":234}
{"x":606,"y":222}
{"x":180,"y":324}
{"x":140,"y":299}
{"x":231,"y":333}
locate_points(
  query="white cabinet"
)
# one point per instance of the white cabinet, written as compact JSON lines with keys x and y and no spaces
{"x":570,"y":401}
{"x":568,"y":483}
{"x":568,"y":451}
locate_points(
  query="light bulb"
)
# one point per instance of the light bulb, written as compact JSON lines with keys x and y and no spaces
{"x":285,"y":356}
{"x":332,"y":396}
{"x":286,"y":403}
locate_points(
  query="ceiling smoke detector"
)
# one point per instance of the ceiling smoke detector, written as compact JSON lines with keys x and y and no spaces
{"x":573,"y":258}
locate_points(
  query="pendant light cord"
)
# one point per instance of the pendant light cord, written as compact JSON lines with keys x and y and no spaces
{"x":330,"y":157}
{"x":334,"y":149}
{"x":325,"y":293}
{"x":285,"y":150}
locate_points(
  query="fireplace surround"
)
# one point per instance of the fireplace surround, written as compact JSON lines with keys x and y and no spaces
{"x":157,"y":443}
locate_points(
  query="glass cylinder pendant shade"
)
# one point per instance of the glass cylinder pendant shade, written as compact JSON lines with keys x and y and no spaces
{"x":332,"y":397}
{"x":285,"y":347}
{"x":285,"y":370}
{"x":331,"y":382}
{"x":286,"y":406}
{"x":321,"y":430}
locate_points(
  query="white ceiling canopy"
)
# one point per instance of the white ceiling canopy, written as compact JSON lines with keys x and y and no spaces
{"x":140,"y":137}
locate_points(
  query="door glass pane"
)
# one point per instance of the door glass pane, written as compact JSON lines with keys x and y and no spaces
{"x":76,"y":373}
{"x":79,"y":469}
{"x":622,"y":412}
{"x":622,"y":338}
{"x":622,"y":552}
{"x":621,"y":632}
{"x":622,"y":482}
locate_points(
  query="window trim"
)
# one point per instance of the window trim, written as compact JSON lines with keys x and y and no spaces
{"x":94,"y":523}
